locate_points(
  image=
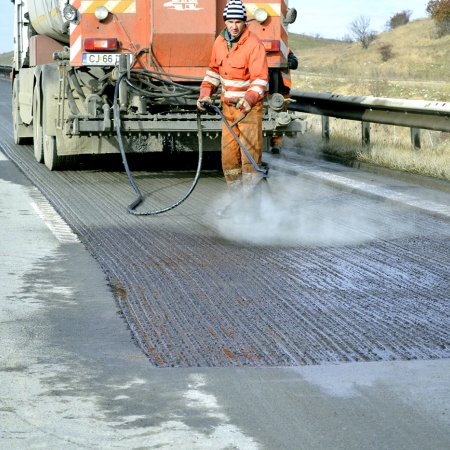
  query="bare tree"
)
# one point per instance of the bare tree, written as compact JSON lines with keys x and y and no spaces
{"x":360,"y":30}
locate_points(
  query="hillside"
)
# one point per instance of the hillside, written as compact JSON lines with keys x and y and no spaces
{"x":6,"y":59}
{"x":417,"y":70}
{"x":299,"y":42}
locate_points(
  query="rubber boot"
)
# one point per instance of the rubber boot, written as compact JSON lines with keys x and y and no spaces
{"x":275,"y":144}
{"x":235,"y":192}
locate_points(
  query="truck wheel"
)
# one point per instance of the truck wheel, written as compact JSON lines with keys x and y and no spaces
{"x":37,"y":125}
{"x":51,"y":158}
{"x":21,"y":133}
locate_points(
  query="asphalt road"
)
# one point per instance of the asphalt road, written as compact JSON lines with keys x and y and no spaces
{"x":348,"y":322}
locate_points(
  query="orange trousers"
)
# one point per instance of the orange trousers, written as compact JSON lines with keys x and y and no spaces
{"x":235,"y":163}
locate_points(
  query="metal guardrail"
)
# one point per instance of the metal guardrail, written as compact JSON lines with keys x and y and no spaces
{"x":415,"y":114}
{"x":5,"y":71}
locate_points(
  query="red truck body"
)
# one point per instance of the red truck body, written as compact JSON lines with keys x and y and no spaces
{"x":69,"y":56}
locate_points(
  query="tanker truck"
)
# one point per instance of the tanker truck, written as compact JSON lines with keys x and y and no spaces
{"x":77,"y":62}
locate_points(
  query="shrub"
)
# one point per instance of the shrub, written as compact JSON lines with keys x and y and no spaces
{"x":399,"y":19}
{"x":385,"y":51}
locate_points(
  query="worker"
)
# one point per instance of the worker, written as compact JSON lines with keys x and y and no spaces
{"x":286,"y":84}
{"x":239,"y":65}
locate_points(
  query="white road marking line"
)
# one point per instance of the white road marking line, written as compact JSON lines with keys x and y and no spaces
{"x":54,"y":222}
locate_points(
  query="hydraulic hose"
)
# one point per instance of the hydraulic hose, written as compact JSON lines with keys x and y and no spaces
{"x":72,"y":105}
{"x":76,"y":85}
{"x":140,"y":198}
{"x":150,"y":94}
{"x":184,"y":90}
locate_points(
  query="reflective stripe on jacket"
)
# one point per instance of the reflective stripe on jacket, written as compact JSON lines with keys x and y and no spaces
{"x":286,"y":78}
{"x":242,"y":71}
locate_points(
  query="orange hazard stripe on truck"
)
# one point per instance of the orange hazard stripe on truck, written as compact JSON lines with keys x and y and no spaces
{"x":88,"y":7}
{"x":75,"y":38}
{"x":273,"y":9}
{"x":113,"y":6}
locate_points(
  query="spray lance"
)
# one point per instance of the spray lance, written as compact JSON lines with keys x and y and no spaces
{"x":213,"y":108}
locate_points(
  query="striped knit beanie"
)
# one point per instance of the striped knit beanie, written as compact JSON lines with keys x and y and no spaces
{"x":235,"y":10}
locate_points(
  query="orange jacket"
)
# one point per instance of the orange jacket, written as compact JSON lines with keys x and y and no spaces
{"x":287,"y":80}
{"x":286,"y":75}
{"x":242,"y":71}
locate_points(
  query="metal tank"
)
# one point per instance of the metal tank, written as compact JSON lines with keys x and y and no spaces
{"x":46,"y":18}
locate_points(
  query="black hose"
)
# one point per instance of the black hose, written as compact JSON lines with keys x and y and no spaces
{"x":169,"y":82}
{"x":72,"y":105}
{"x":73,"y":78}
{"x":185,"y":90}
{"x":156,"y":94}
{"x":185,"y":77}
{"x":139,"y":198}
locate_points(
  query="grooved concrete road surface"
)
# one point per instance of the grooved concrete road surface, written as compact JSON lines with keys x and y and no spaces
{"x":340,"y":343}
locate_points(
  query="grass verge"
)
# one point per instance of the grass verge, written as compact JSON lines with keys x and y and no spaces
{"x":390,"y":147}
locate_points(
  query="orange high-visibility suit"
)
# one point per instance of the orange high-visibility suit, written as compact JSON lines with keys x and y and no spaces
{"x":242,"y":71}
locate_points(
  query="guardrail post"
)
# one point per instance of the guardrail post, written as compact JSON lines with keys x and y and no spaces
{"x":415,"y":138}
{"x":325,"y":128}
{"x":365,"y":135}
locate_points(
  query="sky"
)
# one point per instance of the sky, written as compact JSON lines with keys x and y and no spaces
{"x":330,"y":18}
{"x":326,"y":18}
{"x":6,"y":26}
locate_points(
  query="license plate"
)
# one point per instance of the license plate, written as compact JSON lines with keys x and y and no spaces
{"x":103,"y":59}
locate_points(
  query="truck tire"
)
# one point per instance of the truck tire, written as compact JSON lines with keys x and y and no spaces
{"x":51,"y":158}
{"x":50,"y":154}
{"x":37,"y":125}
{"x":21,"y":132}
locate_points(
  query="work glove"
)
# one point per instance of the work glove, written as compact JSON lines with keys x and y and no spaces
{"x":243,"y":105}
{"x":292,"y":61}
{"x":204,"y":99}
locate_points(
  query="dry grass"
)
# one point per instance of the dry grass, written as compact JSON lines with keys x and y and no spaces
{"x":390,"y":146}
{"x":418,"y":70}
{"x":6,"y":59}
